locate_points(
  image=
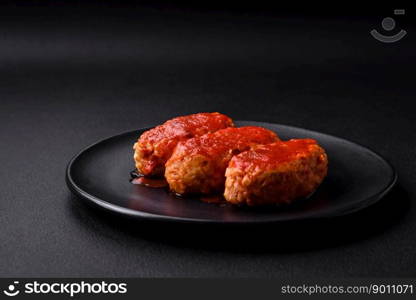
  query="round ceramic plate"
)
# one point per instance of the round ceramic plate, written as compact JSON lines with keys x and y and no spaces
{"x":357,"y":177}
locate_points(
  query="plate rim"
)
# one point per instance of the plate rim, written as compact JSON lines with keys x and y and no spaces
{"x":127,"y":212}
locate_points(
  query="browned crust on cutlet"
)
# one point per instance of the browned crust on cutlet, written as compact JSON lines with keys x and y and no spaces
{"x":277,"y":183}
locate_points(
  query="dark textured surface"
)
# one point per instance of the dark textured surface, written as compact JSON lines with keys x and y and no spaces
{"x":67,"y":81}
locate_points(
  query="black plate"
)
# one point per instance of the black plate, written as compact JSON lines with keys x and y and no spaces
{"x":357,"y":178}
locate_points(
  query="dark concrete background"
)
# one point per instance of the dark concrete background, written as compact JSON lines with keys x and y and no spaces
{"x":69,"y":77}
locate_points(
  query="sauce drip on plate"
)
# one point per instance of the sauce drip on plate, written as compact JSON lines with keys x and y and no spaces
{"x":139,"y":179}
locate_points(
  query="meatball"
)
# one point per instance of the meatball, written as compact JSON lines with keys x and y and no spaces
{"x":276,"y":173}
{"x":198,"y":164}
{"x":155,"y":146}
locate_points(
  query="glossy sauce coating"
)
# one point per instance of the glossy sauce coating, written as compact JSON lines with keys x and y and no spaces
{"x":198,"y":165}
{"x":185,"y":127}
{"x":276,"y":173}
{"x":229,"y":141}
{"x":269,"y":156}
{"x":156,"y":145}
